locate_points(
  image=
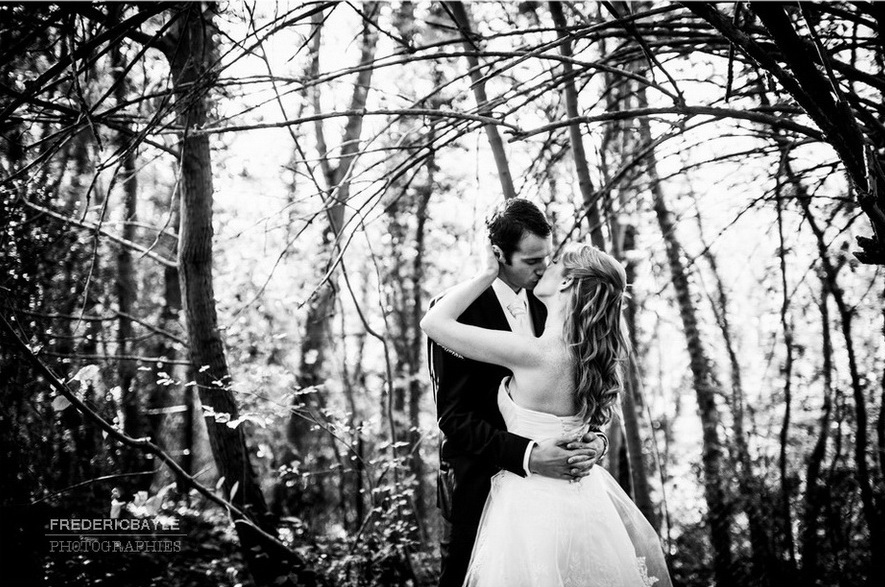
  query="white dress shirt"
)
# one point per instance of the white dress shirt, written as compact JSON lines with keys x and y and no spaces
{"x":519,"y":317}
{"x":516,"y":308}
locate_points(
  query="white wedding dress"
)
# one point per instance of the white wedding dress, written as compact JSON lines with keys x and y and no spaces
{"x":542,"y":532}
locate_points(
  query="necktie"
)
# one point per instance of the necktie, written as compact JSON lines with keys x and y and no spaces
{"x":520,"y":313}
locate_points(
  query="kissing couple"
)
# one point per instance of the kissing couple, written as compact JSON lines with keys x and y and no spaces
{"x":525,"y":360}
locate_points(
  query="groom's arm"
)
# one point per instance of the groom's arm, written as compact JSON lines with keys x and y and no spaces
{"x":458,"y":405}
{"x":458,"y":408}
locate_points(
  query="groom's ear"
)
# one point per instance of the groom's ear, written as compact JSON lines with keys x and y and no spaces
{"x":499,"y":254}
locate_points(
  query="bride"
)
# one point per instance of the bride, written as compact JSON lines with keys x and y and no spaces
{"x":540,"y":531}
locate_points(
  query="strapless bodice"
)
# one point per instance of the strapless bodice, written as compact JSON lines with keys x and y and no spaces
{"x":532,"y":423}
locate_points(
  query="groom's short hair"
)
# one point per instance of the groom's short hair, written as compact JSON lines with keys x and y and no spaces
{"x":510,"y":220}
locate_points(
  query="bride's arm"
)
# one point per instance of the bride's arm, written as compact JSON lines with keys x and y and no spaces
{"x":499,"y":347}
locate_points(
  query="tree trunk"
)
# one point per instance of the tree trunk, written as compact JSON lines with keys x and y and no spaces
{"x":630,"y":397}
{"x":870,"y":504}
{"x":880,"y":429}
{"x":416,"y":389}
{"x":623,"y":241}
{"x":615,"y":463}
{"x":754,"y":495}
{"x":786,"y":516}
{"x":813,"y":494}
{"x":718,"y":509}
{"x":190,"y":51}
{"x":68,"y":449}
{"x":171,"y":404}
{"x":633,"y":440}
{"x":416,"y":383}
{"x":350,"y":381}
{"x":462,"y":19}
{"x":585,"y":183}
{"x":125,"y":284}
{"x":314,"y":343}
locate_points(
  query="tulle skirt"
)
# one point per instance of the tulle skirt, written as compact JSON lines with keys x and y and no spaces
{"x":542,"y":532}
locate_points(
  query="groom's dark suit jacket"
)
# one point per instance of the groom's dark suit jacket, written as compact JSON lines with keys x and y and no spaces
{"x":474,"y":443}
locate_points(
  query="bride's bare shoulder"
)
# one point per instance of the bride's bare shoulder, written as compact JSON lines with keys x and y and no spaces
{"x":549,"y":356}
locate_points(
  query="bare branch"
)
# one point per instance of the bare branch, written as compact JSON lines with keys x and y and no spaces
{"x":754,"y":115}
{"x":98,"y":230}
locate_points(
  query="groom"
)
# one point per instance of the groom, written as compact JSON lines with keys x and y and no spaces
{"x":475,"y":444}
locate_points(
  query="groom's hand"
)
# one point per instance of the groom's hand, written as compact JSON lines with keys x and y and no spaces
{"x":565,"y":458}
{"x":590,"y":441}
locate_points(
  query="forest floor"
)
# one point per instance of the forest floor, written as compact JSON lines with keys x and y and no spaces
{"x":208,"y":556}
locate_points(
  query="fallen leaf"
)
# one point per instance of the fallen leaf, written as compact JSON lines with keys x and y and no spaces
{"x":60,"y":403}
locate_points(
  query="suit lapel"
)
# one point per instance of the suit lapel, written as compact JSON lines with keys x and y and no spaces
{"x":492,"y":312}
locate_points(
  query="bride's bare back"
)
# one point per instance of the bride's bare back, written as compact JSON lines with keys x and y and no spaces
{"x":546,"y":383}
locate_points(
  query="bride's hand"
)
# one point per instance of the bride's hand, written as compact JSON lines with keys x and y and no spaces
{"x":490,"y":263}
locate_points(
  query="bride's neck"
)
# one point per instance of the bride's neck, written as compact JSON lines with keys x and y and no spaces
{"x":555,"y":317}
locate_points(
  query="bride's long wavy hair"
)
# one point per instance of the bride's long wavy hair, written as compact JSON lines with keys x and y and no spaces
{"x":594,"y":329}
